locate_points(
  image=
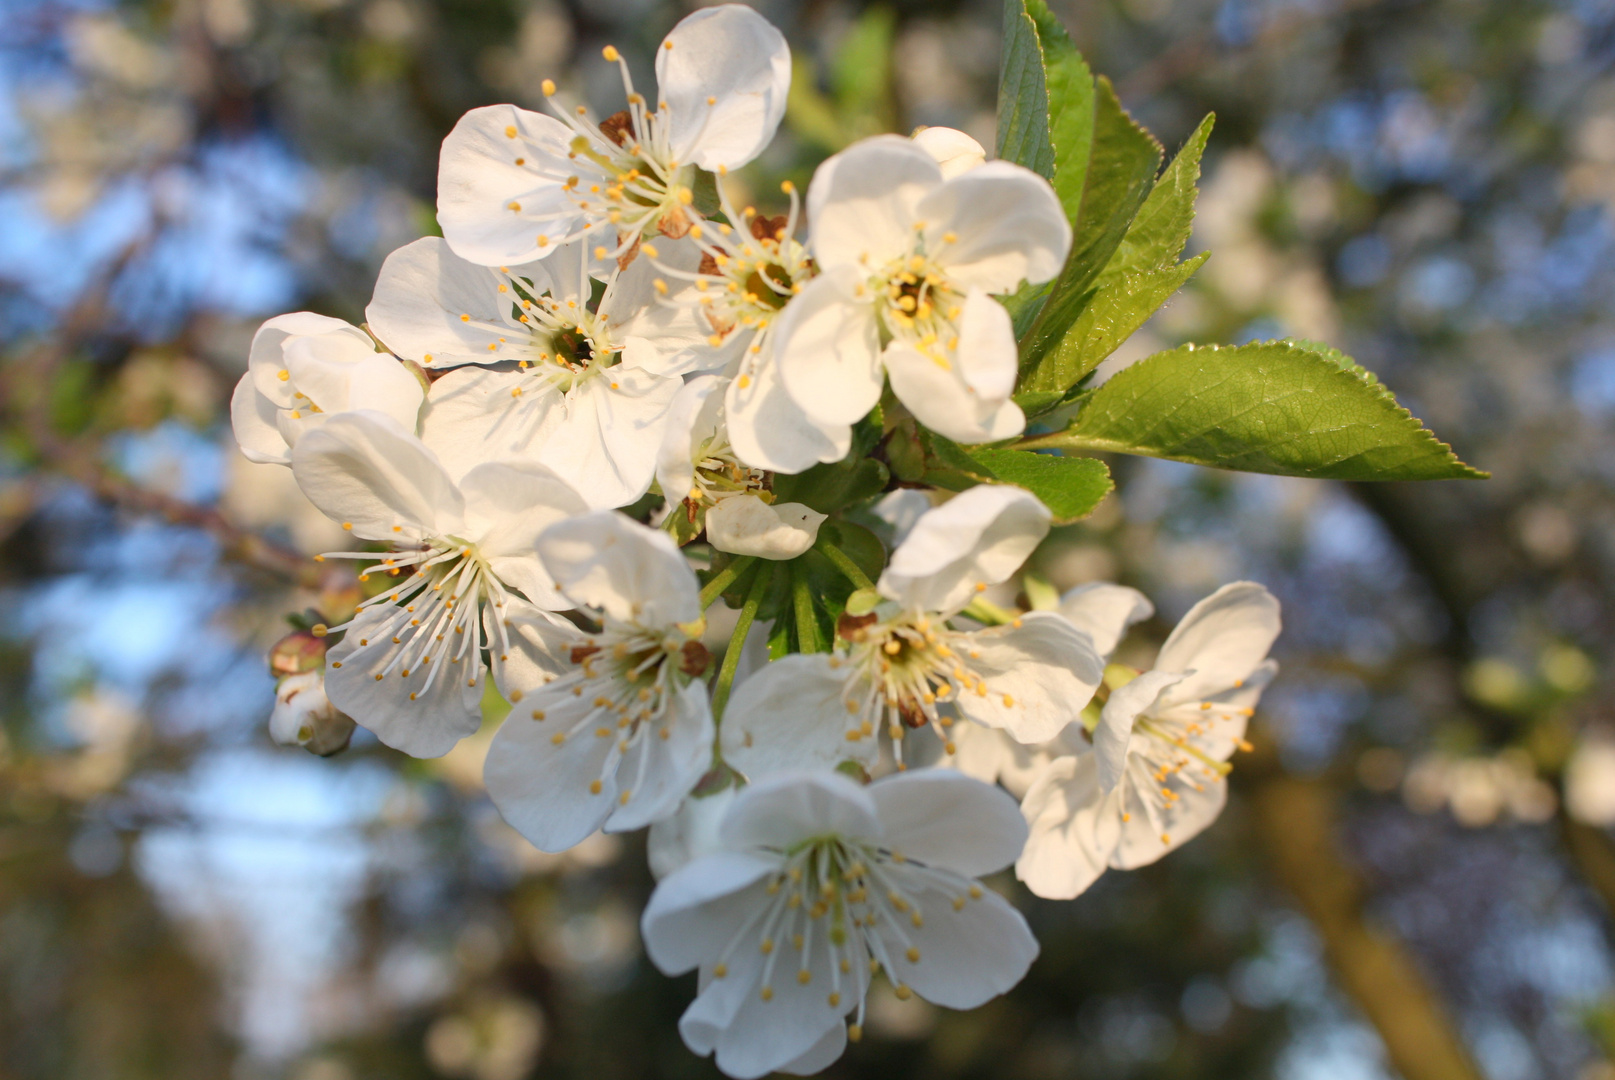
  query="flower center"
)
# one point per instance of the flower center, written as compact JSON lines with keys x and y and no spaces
{"x":626,"y":675}
{"x":917,"y":303}
{"x":903,"y":672}
{"x":837,"y":904}
{"x":434,"y":612}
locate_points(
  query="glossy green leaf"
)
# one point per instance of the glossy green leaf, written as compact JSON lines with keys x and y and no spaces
{"x":1120,"y":174}
{"x":1288,"y":408}
{"x":827,"y":488}
{"x":1158,"y":234}
{"x":1069,"y":486}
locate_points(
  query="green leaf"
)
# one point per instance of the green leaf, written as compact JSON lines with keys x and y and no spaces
{"x":1158,"y":234}
{"x":1119,"y":308}
{"x":1281,"y":407}
{"x":1119,"y":176}
{"x":1038,"y":402}
{"x":861,"y":75}
{"x":1069,"y":486}
{"x":827,"y":488}
{"x":1023,"y":97}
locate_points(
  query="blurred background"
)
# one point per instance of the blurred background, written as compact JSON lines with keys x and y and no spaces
{"x":1415,"y":877}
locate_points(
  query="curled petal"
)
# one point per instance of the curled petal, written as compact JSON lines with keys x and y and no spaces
{"x":1222,"y":639}
{"x":745,"y":525}
{"x":1115,"y":730}
{"x":1104,"y":612}
{"x":954,"y":151}
{"x":978,"y":538}
{"x":1036,"y":677}
{"x":943,"y":402}
{"x":693,"y":420}
{"x":768,"y":430}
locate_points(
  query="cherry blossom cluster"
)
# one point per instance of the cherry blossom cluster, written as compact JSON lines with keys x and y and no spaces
{"x":603,"y":368}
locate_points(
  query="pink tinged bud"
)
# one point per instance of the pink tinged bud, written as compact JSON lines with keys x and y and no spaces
{"x":297,"y":652}
{"x":304,"y":716}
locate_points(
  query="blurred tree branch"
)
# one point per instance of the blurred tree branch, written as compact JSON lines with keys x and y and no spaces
{"x":1295,"y":821}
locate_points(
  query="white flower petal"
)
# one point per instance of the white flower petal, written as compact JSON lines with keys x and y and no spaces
{"x":605,"y":443}
{"x":252,"y":418}
{"x":695,"y":911}
{"x":1075,"y":828}
{"x":987,"y":355}
{"x":633,"y":573}
{"x":538,"y":644}
{"x":440,"y":715}
{"x":507,"y":506}
{"x":778,"y":810}
{"x":968,"y":955}
{"x":670,"y":757}
{"x":768,"y":430}
{"x":863,"y":203}
{"x":494,"y":211}
{"x":953,"y":150}
{"x":939,"y":399}
{"x":1038,"y":675}
{"x":692,"y":422}
{"x":827,"y":346}
{"x":362,"y":468}
{"x":266,"y":360}
{"x":689,"y":834}
{"x":791,"y":715}
{"x":439,"y":310}
{"x":1222,"y":639}
{"x":543,"y":789}
{"x":1115,"y":731}
{"x":745,"y":525}
{"x":734,"y":56}
{"x":1104,"y":612}
{"x":948,"y":820}
{"x":1007,"y":223}
{"x":979,"y":537}
{"x":821,"y":1055}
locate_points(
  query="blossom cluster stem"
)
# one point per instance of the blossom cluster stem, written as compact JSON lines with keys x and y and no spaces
{"x":737,"y":640}
{"x":807,"y":624}
{"x":844,"y":563}
{"x":725,"y":578}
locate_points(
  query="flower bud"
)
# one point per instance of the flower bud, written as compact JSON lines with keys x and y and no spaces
{"x":297,"y":652}
{"x":955,"y":151}
{"x":305,"y":717}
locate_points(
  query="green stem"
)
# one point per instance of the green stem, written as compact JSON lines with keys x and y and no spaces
{"x":807,"y":626}
{"x":731,"y":656}
{"x":848,"y":568}
{"x":726,"y":577}
{"x":988,"y":613}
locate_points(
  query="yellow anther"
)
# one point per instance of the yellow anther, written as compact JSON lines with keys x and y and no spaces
{"x":558,"y":738}
{"x":610,"y":53}
{"x":903,"y":992}
{"x":804,"y":976}
{"x":548,"y":86}
{"x":720,"y":970}
{"x":594,"y":787}
{"x":766,"y":993}
{"x":913,"y":955}
{"x":283,"y":375}
{"x":510,"y":131}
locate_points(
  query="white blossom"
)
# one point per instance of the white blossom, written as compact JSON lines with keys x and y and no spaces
{"x":305,"y":368}
{"x":410,"y":665}
{"x":514,"y":184}
{"x":909,"y":262}
{"x":1157,"y":774}
{"x":304,"y":716}
{"x":820,"y":883}
{"x":904,"y":666}
{"x":578,"y":397}
{"x":625,"y":730}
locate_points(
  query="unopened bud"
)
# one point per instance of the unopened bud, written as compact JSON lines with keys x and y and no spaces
{"x":305,"y":717}
{"x":297,"y":652}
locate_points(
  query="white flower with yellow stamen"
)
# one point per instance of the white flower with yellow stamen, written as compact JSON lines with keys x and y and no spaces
{"x":909,"y":264}
{"x":579,"y":399}
{"x":304,"y":369}
{"x":625,"y":731}
{"x":1102,"y":611}
{"x":410,"y":666}
{"x":820,"y":884}
{"x":747,"y":275}
{"x":1157,"y":774}
{"x":514,"y":184}
{"x":699,"y":475}
{"x":903,"y":666}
